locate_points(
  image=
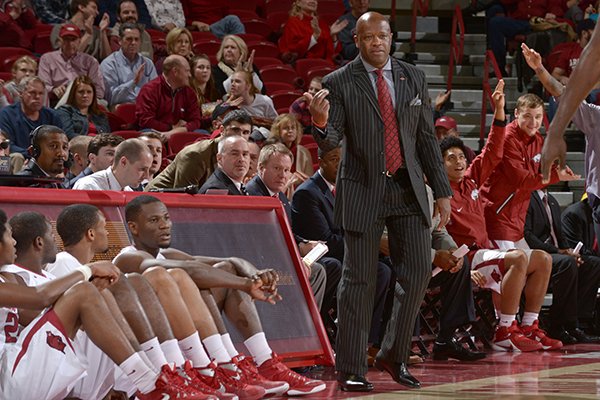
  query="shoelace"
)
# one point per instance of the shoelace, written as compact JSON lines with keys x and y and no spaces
{"x":250,"y":372}
{"x":282,"y":370}
{"x":227,"y":377}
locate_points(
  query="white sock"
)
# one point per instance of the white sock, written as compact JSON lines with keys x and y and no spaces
{"x":216,"y":349}
{"x":226,"y":339}
{"x":529,"y":318}
{"x":506,"y":319}
{"x":172,"y":352}
{"x":192,"y":350}
{"x":140,"y":373}
{"x":259,"y":348}
{"x":153,"y":351}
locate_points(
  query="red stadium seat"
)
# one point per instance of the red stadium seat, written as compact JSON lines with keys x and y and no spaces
{"x":244,"y":14}
{"x":303,"y":65}
{"x":274,"y":87}
{"x":126,"y":111}
{"x":313,"y":148}
{"x":280,"y":73}
{"x":178,"y":141}
{"x":202,"y":36}
{"x":126,"y":134}
{"x":6,"y":76}
{"x":156,"y":34}
{"x":251,"y":37}
{"x":116,"y":123}
{"x":331,"y":7}
{"x":208,"y":47}
{"x":284,"y":99}
{"x":264,"y":49}
{"x":258,"y":26}
{"x":273,"y":6}
{"x":8,"y":61}
{"x":306,"y":139}
{"x":329,"y":18}
{"x":249,"y":5}
{"x":42,"y":43}
{"x":9,"y":54}
{"x":277,"y":19}
{"x":262,"y":62}
{"x":320,"y":71}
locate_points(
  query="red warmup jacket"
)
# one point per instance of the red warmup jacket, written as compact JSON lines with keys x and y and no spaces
{"x":158,"y":107}
{"x":467,"y":220}
{"x":207,"y":11}
{"x":296,"y":38}
{"x":508,"y":190}
{"x":525,"y":9}
{"x":17,"y":32}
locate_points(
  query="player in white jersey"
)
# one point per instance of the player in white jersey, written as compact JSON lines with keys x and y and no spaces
{"x":150,"y":227}
{"x":41,"y":361}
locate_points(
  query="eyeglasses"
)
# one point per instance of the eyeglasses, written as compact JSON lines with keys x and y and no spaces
{"x":4,"y":144}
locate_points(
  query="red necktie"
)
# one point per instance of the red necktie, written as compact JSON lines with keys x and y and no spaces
{"x":333,"y":192}
{"x":393,"y":154}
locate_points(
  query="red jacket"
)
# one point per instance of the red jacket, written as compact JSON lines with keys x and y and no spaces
{"x":207,"y":11}
{"x":17,"y":32}
{"x":296,"y":38}
{"x":467,"y":220}
{"x":508,"y":190}
{"x":525,"y":9}
{"x":158,"y":107}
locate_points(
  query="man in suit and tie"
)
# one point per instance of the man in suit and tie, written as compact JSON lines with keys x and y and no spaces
{"x":233,"y":160}
{"x":381,"y":107}
{"x":574,"y":281}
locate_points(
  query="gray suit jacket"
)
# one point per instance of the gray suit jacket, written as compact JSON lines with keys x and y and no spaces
{"x":354,"y":116}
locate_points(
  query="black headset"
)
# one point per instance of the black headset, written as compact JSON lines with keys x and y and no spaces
{"x":35,"y":151}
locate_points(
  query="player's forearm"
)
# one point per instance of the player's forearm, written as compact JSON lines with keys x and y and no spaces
{"x":550,"y":82}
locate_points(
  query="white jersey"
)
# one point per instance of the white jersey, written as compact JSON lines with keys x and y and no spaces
{"x":9,"y":325}
{"x":65,"y":264}
{"x":31,"y":278}
{"x":131,"y":249}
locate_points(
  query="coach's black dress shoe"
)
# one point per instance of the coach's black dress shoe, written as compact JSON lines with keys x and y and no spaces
{"x":398,"y":372}
{"x":453,"y":349}
{"x":583,"y":337}
{"x":353,"y":383}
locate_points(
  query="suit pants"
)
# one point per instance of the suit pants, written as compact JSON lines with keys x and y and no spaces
{"x":410,"y":244}
{"x":456,"y":297}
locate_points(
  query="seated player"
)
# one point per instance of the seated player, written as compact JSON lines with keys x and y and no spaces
{"x":509,"y":272}
{"x":32,"y":353}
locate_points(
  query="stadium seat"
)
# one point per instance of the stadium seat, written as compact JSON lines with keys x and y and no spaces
{"x":284,"y":100}
{"x":274,"y":87}
{"x":13,"y":53}
{"x":313,"y":148}
{"x":251,"y":37}
{"x":262,"y":62}
{"x":331,"y":7}
{"x":276,"y":20}
{"x":156,"y":34}
{"x":202,"y":36}
{"x":126,"y":111}
{"x":8,"y":61}
{"x":41,"y":43}
{"x":303,"y":65}
{"x":273,"y":6}
{"x":264,"y":49}
{"x":306,"y":139}
{"x":178,"y":141}
{"x":126,"y":134}
{"x":208,"y":47}
{"x":6,"y":76}
{"x":329,"y":18}
{"x":319,"y":71}
{"x":258,"y":27}
{"x":249,"y":5}
{"x":281,"y":73}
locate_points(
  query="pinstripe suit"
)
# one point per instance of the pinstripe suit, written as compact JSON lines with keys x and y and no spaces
{"x":367,"y":200}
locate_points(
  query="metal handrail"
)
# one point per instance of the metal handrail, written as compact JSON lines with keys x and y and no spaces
{"x":486,"y":94}
{"x":423,"y":7}
{"x":456,"y":47}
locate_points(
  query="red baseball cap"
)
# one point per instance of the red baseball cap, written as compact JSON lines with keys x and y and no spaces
{"x":446,"y":122}
{"x":70,"y":30}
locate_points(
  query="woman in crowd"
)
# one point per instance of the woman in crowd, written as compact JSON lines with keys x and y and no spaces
{"x":179,"y":41}
{"x":204,"y":85}
{"x":244,"y":94}
{"x":307,"y":36}
{"x":231,"y":57}
{"x":11,"y":91}
{"x":81,"y":115}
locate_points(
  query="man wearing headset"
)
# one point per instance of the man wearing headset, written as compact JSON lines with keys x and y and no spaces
{"x":49,"y":153}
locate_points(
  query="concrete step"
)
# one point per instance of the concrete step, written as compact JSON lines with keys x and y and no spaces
{"x":459,"y":95}
{"x":457,"y":81}
{"x":435,"y":47}
{"x":435,"y":69}
{"x":564,"y":199}
{"x":476,"y":38}
{"x":428,"y":24}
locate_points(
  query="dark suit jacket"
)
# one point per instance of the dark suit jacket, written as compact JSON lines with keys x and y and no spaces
{"x":355,"y":116}
{"x":312,"y":215}
{"x":537,"y":225}
{"x":578,"y":226}
{"x":218,"y":180}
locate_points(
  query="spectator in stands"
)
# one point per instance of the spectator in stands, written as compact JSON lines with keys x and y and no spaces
{"x":19,"y":119}
{"x":233,"y":160}
{"x":578,"y":226}
{"x":60,"y":67}
{"x":446,"y":126}
{"x":346,"y":35}
{"x":166,"y":15}
{"x":574,"y":282}
{"x":81,"y":115}
{"x":116,"y":11}
{"x":11,"y":91}
{"x":508,"y":189}
{"x":274,"y":165}
{"x":94,"y":39}
{"x":100,"y":155}
{"x":246,"y":96}
{"x":510,"y":18}
{"x":312,"y":218}
{"x":204,"y":85}
{"x":511,"y":271}
{"x":5,"y":152}
{"x":167,"y":104}
{"x":299,"y":108}
{"x":127,"y":12}
{"x":126,"y":70}
{"x":254,"y":154}
{"x":305,"y":36}
{"x":51,"y":11}
{"x":78,"y":152}
{"x":130,"y":167}
{"x":196,"y":162}
{"x":288,"y":130}
{"x":231,"y":57}
{"x":179,"y":41}
{"x":49,"y":152}
{"x":17,"y":23}
{"x":206,"y":15}
{"x":154,"y":142}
